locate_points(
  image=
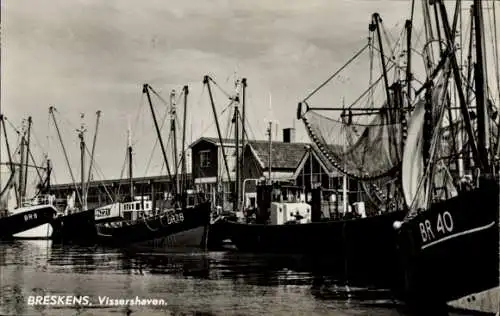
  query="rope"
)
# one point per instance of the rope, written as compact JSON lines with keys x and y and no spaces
{"x":219,"y":87}
{"x":149,"y":227}
{"x":495,"y":49}
{"x":337,"y":72}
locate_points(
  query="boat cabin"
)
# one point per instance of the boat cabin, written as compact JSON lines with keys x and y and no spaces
{"x":279,"y":204}
{"x":138,"y":209}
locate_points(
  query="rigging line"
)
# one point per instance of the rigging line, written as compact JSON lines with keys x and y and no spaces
{"x":163,"y":100}
{"x":229,"y":96}
{"x":37,"y":141}
{"x":388,"y":40}
{"x":62,"y":117}
{"x":370,"y":88}
{"x":220,"y":114}
{"x":495,"y":41}
{"x":249,"y":127}
{"x":366,"y":91}
{"x":337,"y":72}
{"x":137,"y":117}
{"x":164,"y":120}
{"x":122,"y":171}
{"x":12,"y":125}
{"x":163,"y":163}
{"x":98,"y":170}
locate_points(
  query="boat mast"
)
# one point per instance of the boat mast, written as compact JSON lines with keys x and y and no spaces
{"x":183,"y":157}
{"x":51,"y":113}
{"x":344,"y":176}
{"x":21,"y":166}
{"x":243,"y":128}
{"x":130,"y":162}
{"x":236,"y":117}
{"x":26,"y":158}
{"x":458,"y":82}
{"x":270,"y":138}
{"x":145,"y":89}
{"x":206,"y":81}
{"x":480,"y":80}
{"x":98,"y":116}
{"x":173,"y":130}
{"x":408,"y":26}
{"x":49,"y":174}
{"x":81,"y":136}
{"x":376,"y":26}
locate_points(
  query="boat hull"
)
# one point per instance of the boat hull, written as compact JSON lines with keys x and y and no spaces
{"x":360,"y":250}
{"x":26,"y":219}
{"x":77,"y":228}
{"x":451,"y":250}
{"x":189,"y":228}
{"x":43,"y":231}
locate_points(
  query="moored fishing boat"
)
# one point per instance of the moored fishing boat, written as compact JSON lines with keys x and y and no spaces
{"x":450,"y":244}
{"x":286,"y":225}
{"x":21,"y":217}
{"x":181,"y":220}
{"x":144,"y":229}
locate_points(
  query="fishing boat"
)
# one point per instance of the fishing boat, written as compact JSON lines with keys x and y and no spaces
{"x":440,"y":149}
{"x":26,"y":222}
{"x":180,"y":221}
{"x":21,"y":217}
{"x":284,"y":222}
{"x":143,"y":229}
{"x":76,"y":225}
{"x":450,"y":243}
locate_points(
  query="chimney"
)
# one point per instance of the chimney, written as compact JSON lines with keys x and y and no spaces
{"x":289,"y":135}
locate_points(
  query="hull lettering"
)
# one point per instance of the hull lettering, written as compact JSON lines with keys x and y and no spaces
{"x":29,"y":217}
{"x":104,"y":212}
{"x":175,"y":219}
{"x":432,"y":230}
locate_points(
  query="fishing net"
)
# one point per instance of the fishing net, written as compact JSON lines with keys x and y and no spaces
{"x":364,"y":151}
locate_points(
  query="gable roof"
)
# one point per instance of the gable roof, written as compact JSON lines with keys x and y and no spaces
{"x":213,"y":140}
{"x":283,"y":155}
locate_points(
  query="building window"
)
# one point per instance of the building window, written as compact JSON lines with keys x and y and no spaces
{"x":205,"y":158}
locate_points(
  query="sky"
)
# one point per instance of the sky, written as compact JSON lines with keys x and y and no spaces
{"x":82,"y":56}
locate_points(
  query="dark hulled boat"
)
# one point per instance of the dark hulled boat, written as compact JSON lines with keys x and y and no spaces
{"x":350,"y":243}
{"x":185,"y":228}
{"x":450,"y":245}
{"x":75,"y":228}
{"x":451,"y":250}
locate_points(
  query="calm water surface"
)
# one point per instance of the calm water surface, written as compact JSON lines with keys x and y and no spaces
{"x":216,"y":283}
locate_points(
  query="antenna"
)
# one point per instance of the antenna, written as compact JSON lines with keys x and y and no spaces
{"x":129,"y":131}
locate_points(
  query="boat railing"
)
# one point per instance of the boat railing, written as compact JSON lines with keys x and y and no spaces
{"x":146,"y":216}
{"x":38,"y":200}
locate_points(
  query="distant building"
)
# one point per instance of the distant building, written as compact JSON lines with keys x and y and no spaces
{"x":299,"y":163}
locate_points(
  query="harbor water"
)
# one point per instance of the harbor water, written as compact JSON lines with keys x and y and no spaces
{"x":214,"y":283}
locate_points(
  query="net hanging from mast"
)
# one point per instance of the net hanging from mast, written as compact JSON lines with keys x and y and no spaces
{"x":364,"y":151}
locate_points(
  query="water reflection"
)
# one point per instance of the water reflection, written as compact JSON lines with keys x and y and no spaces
{"x":214,"y":283}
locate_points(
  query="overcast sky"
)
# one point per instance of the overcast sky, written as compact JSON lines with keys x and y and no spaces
{"x":88,"y":55}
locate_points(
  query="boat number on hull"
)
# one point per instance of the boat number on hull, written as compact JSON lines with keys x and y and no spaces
{"x":103,"y":212}
{"x":175,"y":219}
{"x":29,"y":217}
{"x":443,"y":226}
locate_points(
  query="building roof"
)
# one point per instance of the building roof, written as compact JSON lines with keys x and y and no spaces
{"x":283,"y":155}
{"x":95,"y":183}
{"x":213,"y":140}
